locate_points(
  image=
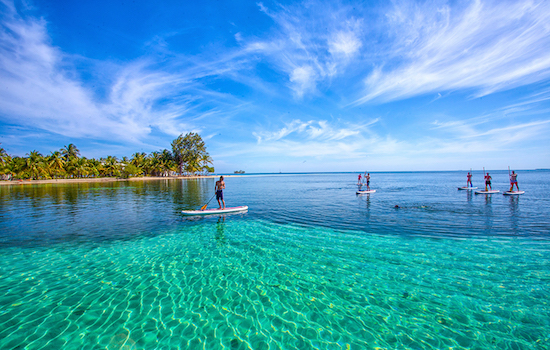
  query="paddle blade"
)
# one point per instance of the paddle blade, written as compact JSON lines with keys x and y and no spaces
{"x":204,"y":206}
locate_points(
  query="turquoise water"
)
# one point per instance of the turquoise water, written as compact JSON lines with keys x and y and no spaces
{"x":310,"y":266}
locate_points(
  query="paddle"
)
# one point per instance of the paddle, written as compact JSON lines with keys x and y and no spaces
{"x":484,"y":179}
{"x":204,"y":206}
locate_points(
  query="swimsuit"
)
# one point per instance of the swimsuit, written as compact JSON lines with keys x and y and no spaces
{"x":219,"y":194}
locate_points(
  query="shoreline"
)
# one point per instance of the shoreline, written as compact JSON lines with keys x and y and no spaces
{"x":103,"y":179}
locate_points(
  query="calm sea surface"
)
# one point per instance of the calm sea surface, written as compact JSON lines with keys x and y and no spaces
{"x":311,"y":265}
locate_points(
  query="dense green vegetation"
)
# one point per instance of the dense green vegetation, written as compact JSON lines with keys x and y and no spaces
{"x":188,"y":157}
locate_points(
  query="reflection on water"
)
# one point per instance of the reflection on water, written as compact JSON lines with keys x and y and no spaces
{"x":43,"y":214}
{"x":514,"y":214}
{"x":220,"y":230}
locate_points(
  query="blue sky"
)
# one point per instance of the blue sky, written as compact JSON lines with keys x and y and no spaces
{"x":285,"y":86}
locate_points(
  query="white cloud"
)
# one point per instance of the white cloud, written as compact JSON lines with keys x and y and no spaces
{"x":289,"y":128}
{"x":318,"y":131}
{"x":344,"y":43}
{"x":314,"y":43}
{"x":36,"y":88}
{"x":41,"y":89}
{"x":303,"y":80}
{"x":487,"y":46}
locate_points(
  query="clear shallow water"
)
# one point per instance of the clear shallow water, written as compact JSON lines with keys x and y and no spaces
{"x":116,"y":265}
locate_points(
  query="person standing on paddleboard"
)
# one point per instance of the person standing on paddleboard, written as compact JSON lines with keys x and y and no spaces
{"x":469,"y":176}
{"x":220,"y":186}
{"x":359,"y":180}
{"x":513,"y":180}
{"x":367,"y":180}
{"x":488,"y":182}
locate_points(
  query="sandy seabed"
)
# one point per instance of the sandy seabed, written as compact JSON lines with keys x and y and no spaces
{"x":102,"y":179}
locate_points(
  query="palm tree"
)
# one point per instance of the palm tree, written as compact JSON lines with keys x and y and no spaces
{"x":81,"y":167}
{"x":5,"y":164}
{"x":34,"y":164}
{"x":70,"y":151}
{"x":111,"y":166}
{"x":93,"y":167}
{"x":138,"y":160}
{"x":3,"y":156}
{"x":206,"y":161}
{"x":16,"y":167}
{"x":192,"y":166}
{"x":56,"y":164}
{"x":168,"y":163}
{"x":152,"y":163}
{"x":70,"y":166}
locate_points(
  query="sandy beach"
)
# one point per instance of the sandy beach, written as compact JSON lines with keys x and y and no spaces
{"x":102,"y":179}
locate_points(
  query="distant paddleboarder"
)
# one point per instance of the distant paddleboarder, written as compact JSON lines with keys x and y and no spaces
{"x":359,"y":180}
{"x":488,"y":181}
{"x":514,"y":181}
{"x":469,"y":182}
{"x":367,"y":180}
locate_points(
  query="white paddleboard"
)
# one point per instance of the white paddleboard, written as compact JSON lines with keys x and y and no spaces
{"x":467,"y":188}
{"x":365,"y":192}
{"x":511,"y":193}
{"x":215,"y":211}
{"x":487,"y":192}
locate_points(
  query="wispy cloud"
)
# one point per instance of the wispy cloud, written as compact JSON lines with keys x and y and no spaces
{"x":486,"y":46}
{"x":319,"y":131}
{"x":312,"y":43}
{"x":499,"y":137}
{"x":42,"y":88}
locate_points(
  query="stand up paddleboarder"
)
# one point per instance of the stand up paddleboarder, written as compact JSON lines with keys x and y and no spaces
{"x":469,"y":176}
{"x":220,"y":186}
{"x":488,"y":181}
{"x":367,"y":181}
{"x":513,"y":181}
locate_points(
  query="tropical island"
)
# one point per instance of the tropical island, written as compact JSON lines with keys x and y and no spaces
{"x":188,"y":157}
